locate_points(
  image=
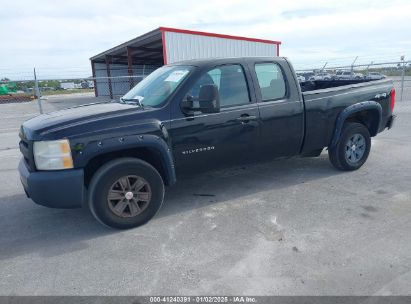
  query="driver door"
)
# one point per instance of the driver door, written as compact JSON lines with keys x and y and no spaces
{"x":203,"y":141}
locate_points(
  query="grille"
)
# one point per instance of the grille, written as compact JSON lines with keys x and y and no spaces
{"x":26,"y":148}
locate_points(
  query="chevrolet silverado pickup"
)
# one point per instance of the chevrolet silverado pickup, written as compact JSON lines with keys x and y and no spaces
{"x":117,"y":157}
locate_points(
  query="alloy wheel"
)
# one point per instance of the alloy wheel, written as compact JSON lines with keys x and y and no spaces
{"x":355,"y":148}
{"x":129,"y":196}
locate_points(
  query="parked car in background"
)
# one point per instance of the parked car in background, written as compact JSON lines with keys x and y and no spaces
{"x":301,"y":78}
{"x":307,"y":75}
{"x":375,"y":76}
{"x":358,"y":76}
{"x":321,"y":76}
{"x":347,"y":75}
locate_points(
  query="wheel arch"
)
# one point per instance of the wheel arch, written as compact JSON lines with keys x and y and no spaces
{"x":150,"y":148}
{"x":368,"y":113}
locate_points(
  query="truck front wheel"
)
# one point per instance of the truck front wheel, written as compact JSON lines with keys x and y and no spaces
{"x":125,"y":193}
{"x":352,"y":149}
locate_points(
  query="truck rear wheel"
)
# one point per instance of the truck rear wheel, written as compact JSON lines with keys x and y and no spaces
{"x":352,"y":149}
{"x":125,"y":193}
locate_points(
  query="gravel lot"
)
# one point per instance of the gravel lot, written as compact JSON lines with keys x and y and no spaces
{"x":289,"y":227}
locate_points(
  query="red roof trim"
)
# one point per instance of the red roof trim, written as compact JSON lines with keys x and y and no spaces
{"x":169,"y":29}
{"x":163,"y":40}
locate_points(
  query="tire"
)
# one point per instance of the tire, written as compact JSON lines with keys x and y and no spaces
{"x":119,"y":178}
{"x":347,"y":154}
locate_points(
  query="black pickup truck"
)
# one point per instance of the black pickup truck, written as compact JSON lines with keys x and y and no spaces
{"x":117,"y":157}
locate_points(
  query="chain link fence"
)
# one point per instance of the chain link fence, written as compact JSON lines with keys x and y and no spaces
{"x":14,"y":91}
{"x":117,"y":80}
{"x":109,"y":84}
{"x":17,"y":89}
{"x":399,"y":72}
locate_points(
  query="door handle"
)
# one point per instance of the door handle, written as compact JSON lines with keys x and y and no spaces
{"x":246,"y":118}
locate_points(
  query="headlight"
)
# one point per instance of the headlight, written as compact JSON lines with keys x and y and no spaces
{"x":52,"y":155}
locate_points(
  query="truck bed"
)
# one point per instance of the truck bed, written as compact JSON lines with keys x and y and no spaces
{"x":325,"y":84}
{"x":324,"y":100}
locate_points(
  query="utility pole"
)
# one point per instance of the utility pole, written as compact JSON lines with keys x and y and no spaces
{"x":402,"y":76}
{"x":37,"y":90}
{"x":352,"y":64}
{"x":368,"y":66}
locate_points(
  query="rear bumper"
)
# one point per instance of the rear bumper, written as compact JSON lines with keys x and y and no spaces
{"x":390,"y":122}
{"x":55,"y":189}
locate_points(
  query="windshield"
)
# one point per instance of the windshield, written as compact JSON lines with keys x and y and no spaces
{"x":153,"y":90}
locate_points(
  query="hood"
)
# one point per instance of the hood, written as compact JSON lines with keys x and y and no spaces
{"x":76,"y":117}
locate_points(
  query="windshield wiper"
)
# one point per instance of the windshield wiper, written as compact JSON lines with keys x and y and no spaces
{"x":132,"y":101}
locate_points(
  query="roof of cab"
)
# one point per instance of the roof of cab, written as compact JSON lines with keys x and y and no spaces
{"x":223,"y":60}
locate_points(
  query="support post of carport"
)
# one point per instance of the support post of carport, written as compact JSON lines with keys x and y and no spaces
{"x":110,"y":87}
{"x":130,"y":66}
{"x":93,"y":70}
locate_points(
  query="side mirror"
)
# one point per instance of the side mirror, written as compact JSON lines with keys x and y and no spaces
{"x":207,"y":102}
{"x":187,"y":105}
{"x":209,"y":99}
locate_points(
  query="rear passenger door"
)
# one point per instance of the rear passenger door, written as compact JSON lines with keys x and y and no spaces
{"x":204,"y":141}
{"x":281,"y":109}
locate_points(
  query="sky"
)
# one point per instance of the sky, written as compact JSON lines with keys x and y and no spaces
{"x":59,"y":37}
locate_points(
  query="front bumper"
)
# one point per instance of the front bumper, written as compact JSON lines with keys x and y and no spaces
{"x":55,"y":189}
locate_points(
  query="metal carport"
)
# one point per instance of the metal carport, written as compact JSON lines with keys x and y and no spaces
{"x":118,"y":69}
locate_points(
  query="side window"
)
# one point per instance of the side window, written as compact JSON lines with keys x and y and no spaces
{"x":271,"y":81}
{"x":231,"y":83}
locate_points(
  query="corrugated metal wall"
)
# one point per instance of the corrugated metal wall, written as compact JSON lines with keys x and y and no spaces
{"x":120,"y":85}
{"x":182,"y":46}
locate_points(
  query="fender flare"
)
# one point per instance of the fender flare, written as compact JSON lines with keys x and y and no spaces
{"x":357,"y":107}
{"x":115,"y":144}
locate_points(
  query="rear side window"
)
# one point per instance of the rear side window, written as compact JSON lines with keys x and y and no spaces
{"x":231,"y":83}
{"x":271,"y":81}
